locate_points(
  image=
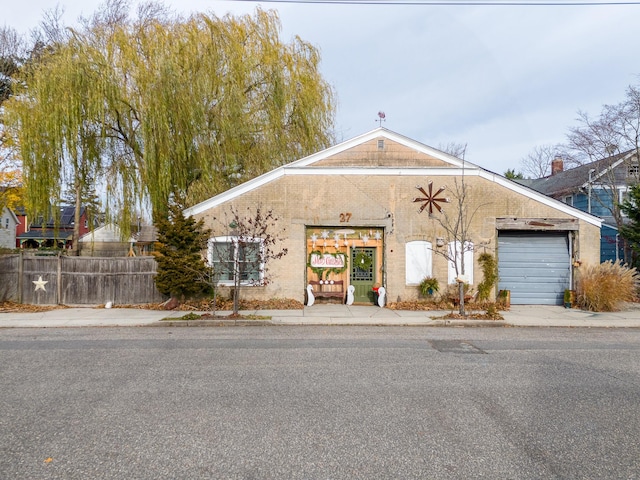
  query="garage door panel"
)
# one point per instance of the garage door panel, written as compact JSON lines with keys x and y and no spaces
{"x":539,"y":269}
{"x":534,"y":266}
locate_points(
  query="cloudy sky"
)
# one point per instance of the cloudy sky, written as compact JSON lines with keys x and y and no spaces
{"x":502,"y":79}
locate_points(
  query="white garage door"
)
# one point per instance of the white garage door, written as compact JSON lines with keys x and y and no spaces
{"x":534,"y":266}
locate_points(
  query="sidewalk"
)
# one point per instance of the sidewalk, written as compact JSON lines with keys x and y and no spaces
{"x":517,"y":316}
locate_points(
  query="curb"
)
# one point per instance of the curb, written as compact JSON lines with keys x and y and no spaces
{"x":331,"y":323}
{"x":210,"y":323}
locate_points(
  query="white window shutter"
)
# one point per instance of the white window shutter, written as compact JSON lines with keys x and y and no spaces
{"x":468,"y":262}
{"x":418,"y":261}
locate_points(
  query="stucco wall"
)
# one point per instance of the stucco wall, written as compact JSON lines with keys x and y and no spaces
{"x":384,"y":201}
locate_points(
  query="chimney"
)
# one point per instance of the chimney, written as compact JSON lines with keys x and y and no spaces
{"x":557,"y":165}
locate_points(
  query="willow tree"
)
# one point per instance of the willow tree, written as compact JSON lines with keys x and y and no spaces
{"x":61,"y":143}
{"x":163,"y":106}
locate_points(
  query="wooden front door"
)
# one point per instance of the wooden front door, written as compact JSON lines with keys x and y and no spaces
{"x":363,"y":274}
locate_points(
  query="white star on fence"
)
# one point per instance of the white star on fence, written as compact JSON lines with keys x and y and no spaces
{"x":40,"y":284}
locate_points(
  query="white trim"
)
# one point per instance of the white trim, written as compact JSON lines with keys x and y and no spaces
{"x":372,"y":135}
{"x":600,"y":174}
{"x":316,"y":157}
{"x":613,"y":166}
{"x":384,"y":171}
{"x":235,"y":192}
{"x":233,"y":239}
{"x":540,"y":197}
{"x":458,"y":168}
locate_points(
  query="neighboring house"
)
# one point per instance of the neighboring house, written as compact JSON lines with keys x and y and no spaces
{"x":39,"y":233}
{"x":8,"y":226}
{"x":23,"y":223}
{"x":354,"y":207}
{"x":106,"y":241}
{"x":597,"y":188}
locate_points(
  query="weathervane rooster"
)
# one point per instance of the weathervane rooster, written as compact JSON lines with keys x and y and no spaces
{"x":381,"y":117}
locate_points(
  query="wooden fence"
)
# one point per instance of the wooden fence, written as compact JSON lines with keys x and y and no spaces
{"x":78,"y":280}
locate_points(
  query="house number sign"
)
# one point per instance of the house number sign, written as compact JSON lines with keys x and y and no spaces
{"x":345,"y":217}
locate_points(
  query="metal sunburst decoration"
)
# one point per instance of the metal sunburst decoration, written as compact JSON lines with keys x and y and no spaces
{"x":431,"y":199}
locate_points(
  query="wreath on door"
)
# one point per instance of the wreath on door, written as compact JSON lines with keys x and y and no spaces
{"x":363,"y":261}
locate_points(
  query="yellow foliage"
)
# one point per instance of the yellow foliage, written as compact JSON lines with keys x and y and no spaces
{"x":11,"y":189}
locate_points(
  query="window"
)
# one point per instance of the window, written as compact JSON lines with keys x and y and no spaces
{"x":455,"y":251}
{"x":634,"y":170}
{"x":380,"y":144}
{"x":569,"y":200}
{"x":418,"y":261}
{"x":233,"y":257}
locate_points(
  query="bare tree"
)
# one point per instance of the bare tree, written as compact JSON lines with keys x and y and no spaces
{"x":241,"y":256}
{"x":615,"y":130}
{"x":456,"y":149}
{"x":456,"y":224}
{"x":537,"y":163}
{"x":611,"y":143}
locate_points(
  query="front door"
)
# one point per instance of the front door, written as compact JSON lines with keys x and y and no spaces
{"x":363,"y":273}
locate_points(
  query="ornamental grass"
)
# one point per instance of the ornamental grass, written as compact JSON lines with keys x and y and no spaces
{"x":604,"y":287}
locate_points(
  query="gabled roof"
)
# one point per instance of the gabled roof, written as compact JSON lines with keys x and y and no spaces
{"x":317,"y":159}
{"x":577,"y":178}
{"x":436,"y":163}
{"x":12,"y":215}
{"x":47,"y":234}
{"x":104,"y":233}
{"x":111,"y":233}
{"x":67,"y":217}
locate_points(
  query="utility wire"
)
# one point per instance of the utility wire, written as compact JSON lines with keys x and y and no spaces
{"x":545,"y":3}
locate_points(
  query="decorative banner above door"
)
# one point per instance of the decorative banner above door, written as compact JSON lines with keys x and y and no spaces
{"x":327,"y":260}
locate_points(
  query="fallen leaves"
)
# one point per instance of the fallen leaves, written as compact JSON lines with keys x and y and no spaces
{"x":11,"y":307}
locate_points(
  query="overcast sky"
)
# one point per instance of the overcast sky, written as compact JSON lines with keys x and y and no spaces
{"x":502,"y":79}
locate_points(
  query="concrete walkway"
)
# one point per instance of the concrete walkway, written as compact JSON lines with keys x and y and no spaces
{"x":326,"y":314}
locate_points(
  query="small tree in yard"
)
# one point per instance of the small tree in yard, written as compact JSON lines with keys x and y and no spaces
{"x":181,"y":266}
{"x":456,"y":225}
{"x":631,"y":230}
{"x":241,"y":256}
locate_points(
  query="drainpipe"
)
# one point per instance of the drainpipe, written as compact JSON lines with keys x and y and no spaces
{"x":589,"y":191}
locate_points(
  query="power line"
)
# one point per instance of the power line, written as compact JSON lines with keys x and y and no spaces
{"x":532,"y":3}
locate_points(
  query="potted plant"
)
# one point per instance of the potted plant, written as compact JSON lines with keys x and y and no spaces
{"x":428,"y":286}
{"x":569,"y":297}
{"x":504,"y":298}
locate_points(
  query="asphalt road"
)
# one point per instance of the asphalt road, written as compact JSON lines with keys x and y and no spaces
{"x":319,"y":403}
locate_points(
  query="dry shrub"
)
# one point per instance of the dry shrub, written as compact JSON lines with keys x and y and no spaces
{"x":602,"y":288}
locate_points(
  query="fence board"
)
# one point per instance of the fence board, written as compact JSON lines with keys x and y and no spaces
{"x":9,"y":271}
{"x":83,"y":280}
{"x":33,"y":268}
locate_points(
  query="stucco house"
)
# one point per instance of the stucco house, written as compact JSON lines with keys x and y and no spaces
{"x":8,"y":225}
{"x":353,"y":216}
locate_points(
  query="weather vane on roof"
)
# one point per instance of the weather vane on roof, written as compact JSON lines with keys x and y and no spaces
{"x":381,"y":117}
